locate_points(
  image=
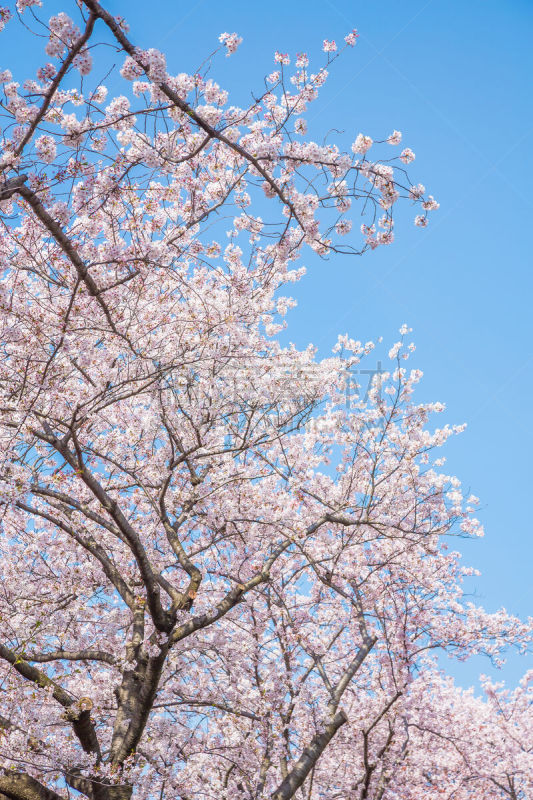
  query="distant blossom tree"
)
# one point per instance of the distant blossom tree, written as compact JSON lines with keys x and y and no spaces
{"x":219,"y":579}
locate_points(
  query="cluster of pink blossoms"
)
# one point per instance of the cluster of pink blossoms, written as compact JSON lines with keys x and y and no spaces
{"x":282,"y":58}
{"x":131,"y":69}
{"x":407,"y":156}
{"x":231,"y":41}
{"x":5,"y":16}
{"x":362,"y":144}
{"x":395,"y":138}
{"x":351,"y":38}
{"x":157,"y":65}
{"x":46,"y":148}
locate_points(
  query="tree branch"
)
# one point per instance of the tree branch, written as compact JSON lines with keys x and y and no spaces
{"x":92,"y":547}
{"x":19,"y":786}
{"x":68,"y":655}
{"x":310,"y":755}
{"x":162,"y":620}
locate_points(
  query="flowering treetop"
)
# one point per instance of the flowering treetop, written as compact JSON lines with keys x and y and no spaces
{"x":222,"y":575}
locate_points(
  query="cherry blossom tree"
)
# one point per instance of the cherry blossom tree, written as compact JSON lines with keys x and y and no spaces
{"x":225,"y":573}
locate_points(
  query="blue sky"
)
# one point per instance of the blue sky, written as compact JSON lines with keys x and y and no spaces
{"x":454,"y":77}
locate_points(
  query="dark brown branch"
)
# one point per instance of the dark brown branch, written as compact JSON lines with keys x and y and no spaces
{"x":342,"y":685}
{"x":136,"y":699}
{"x":11,"y":187}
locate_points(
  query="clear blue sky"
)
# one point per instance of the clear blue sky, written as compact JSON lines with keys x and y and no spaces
{"x":455,"y":78}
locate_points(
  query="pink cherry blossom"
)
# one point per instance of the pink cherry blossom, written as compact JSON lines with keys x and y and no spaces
{"x":351,"y":38}
{"x":157,"y":66}
{"x":407,"y":156}
{"x":394,"y":138}
{"x":362,"y":144}
{"x":46,"y":148}
{"x":131,"y":69}
{"x":231,"y":41}
{"x":416,"y":192}
{"x":5,"y":16}
{"x":282,"y":58}
{"x":23,"y":4}
{"x":430,"y":204}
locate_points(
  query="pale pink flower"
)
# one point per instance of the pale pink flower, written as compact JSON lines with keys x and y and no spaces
{"x":99,"y":94}
{"x":46,"y":148}
{"x":385,"y":237}
{"x":63,"y":34}
{"x":389,"y":195}
{"x":395,"y":138}
{"x":351,"y":38}
{"x":282,"y":58}
{"x":5,"y":16}
{"x":23,"y":4}
{"x":395,"y":349}
{"x":157,"y":65}
{"x":10,"y":89}
{"x":329,"y":46}
{"x":123,"y":25}
{"x":139,"y":87}
{"x":430,"y":204}
{"x":407,"y":155}
{"x":417,"y":191}
{"x":343,"y":227}
{"x":47,"y":72}
{"x":118,"y":107}
{"x":83,"y":61}
{"x":362,"y":144}
{"x":385,"y":222}
{"x":61,"y":212}
{"x":131,"y":69}
{"x":231,"y":41}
